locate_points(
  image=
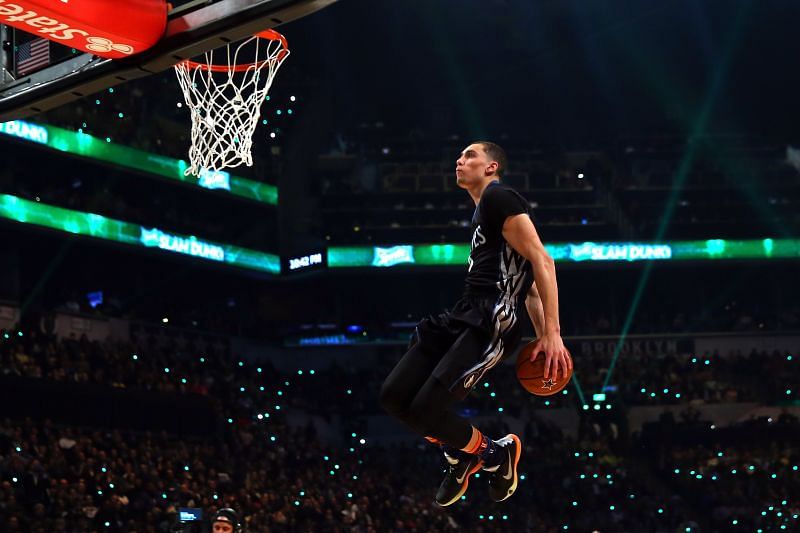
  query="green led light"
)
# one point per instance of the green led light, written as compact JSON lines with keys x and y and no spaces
{"x":457,"y":254}
{"x":441,"y":254}
{"x":353,"y":256}
{"x":98,"y":226}
{"x":85,"y":145}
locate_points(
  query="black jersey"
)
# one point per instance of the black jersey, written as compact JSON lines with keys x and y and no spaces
{"x":495,"y":268}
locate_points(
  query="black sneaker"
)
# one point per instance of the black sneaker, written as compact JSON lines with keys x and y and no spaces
{"x":456,"y":480}
{"x":503,"y":480}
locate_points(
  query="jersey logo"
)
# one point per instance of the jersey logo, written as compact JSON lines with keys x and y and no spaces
{"x":477,"y":239}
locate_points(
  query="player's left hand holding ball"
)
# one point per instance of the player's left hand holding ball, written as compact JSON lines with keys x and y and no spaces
{"x":556,"y":355}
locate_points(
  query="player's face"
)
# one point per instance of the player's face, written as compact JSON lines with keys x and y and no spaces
{"x":222,"y":527}
{"x":472,"y":166}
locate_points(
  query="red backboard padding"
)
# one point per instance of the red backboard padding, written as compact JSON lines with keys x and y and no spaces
{"x":107,"y":28}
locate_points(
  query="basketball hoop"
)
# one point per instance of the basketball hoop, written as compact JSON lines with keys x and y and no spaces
{"x":225,"y":100}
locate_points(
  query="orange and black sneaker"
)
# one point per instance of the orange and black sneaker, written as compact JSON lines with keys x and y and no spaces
{"x":504,"y":478}
{"x":456,"y":480}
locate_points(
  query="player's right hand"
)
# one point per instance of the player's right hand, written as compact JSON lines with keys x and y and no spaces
{"x":556,"y":355}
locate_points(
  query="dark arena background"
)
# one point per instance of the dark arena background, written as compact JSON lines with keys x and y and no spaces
{"x":173,"y":345}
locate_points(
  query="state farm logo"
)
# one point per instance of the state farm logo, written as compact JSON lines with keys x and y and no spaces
{"x":101,"y":44}
{"x":51,"y":28}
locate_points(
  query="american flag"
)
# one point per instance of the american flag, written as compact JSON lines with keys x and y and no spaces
{"x":32,"y":55}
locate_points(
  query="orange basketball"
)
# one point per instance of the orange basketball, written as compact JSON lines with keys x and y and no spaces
{"x":531,"y":375}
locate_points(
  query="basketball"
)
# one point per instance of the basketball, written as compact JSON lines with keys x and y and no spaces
{"x":531,"y":374}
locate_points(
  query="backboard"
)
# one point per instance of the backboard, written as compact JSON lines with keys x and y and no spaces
{"x":193,"y":27}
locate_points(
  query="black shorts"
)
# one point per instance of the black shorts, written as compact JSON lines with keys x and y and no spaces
{"x":469,"y":340}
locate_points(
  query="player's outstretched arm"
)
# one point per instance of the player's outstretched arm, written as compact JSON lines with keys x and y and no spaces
{"x":519,"y":232}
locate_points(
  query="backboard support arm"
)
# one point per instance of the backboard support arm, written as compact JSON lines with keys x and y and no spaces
{"x":6,"y":54}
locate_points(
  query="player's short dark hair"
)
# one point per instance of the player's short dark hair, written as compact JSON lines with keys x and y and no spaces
{"x":495,"y":153}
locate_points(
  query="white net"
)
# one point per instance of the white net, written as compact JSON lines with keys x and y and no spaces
{"x":225,"y":101}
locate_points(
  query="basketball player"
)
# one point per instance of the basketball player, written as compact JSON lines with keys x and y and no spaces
{"x":450,"y":353}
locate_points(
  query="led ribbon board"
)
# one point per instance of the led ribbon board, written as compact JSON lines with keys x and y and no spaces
{"x":98,"y":226}
{"x":306,"y":261}
{"x":457,"y":254}
{"x":85,"y":145}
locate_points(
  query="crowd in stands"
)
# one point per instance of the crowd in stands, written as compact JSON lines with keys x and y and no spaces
{"x":76,"y":479}
{"x":285,"y":478}
{"x":745,"y":480}
{"x":179,"y":365}
{"x":697,"y":378}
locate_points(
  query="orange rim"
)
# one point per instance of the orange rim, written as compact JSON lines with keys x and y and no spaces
{"x":270,"y":35}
